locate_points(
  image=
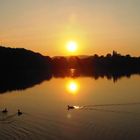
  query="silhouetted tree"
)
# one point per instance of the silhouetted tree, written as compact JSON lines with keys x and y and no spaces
{"x":21,"y":68}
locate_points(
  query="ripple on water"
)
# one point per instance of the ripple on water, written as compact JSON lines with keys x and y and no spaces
{"x":44,"y":126}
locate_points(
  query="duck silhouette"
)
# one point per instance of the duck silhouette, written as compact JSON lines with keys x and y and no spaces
{"x":4,"y":110}
{"x":70,"y":107}
{"x":19,"y":112}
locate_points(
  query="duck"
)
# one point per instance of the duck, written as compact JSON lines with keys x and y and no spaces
{"x":70,"y":107}
{"x":19,"y":112}
{"x":5,"y":110}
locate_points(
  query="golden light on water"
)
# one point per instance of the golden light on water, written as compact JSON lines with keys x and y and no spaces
{"x":72,"y":87}
{"x":72,"y":46}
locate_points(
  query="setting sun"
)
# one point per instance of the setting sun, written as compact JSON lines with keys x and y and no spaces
{"x":72,"y":46}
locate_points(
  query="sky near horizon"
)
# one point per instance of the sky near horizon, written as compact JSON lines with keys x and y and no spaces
{"x":45,"y":26}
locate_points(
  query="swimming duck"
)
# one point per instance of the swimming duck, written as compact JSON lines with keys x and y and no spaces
{"x":70,"y":107}
{"x":5,"y":110}
{"x":19,"y":112}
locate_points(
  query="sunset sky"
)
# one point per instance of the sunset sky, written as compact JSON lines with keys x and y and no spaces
{"x":46,"y":26}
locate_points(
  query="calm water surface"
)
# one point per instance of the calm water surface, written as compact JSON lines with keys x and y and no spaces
{"x":108,"y":110}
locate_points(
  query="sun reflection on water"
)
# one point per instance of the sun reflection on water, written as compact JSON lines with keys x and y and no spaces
{"x":72,"y":87}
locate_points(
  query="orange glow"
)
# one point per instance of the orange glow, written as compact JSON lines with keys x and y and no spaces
{"x":72,"y":87}
{"x":72,"y":46}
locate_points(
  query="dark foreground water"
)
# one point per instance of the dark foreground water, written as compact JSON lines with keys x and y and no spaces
{"x":104,"y":110}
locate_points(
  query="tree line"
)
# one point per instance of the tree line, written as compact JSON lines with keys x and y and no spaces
{"x":21,"y":68}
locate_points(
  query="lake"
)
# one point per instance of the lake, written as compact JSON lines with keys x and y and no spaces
{"x":104,"y":110}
